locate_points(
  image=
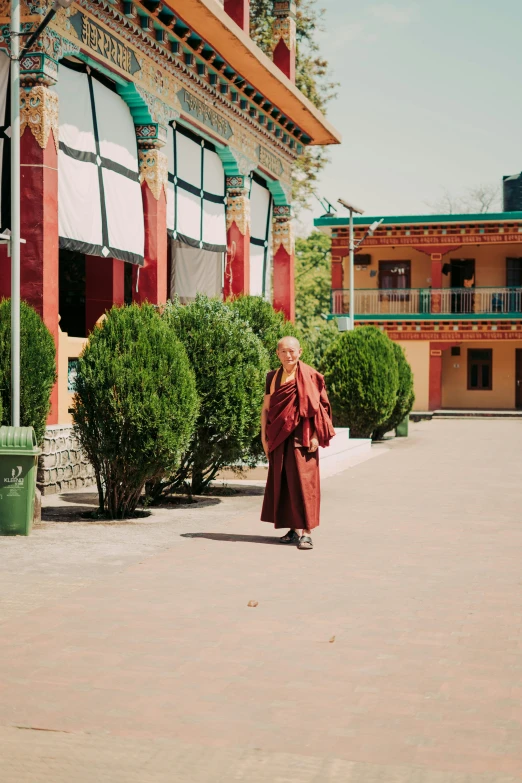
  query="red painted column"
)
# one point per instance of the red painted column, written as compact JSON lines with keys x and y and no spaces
{"x":337,"y":274}
{"x":239,"y":11}
{"x":435,"y":389}
{"x":151,"y":279}
{"x":283,"y":251}
{"x":5,"y":273}
{"x":436,"y":282}
{"x":104,"y":286}
{"x":284,"y":48}
{"x":237,"y":264}
{"x":39,"y":211}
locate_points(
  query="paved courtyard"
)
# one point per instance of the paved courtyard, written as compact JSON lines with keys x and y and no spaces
{"x":392,"y":653}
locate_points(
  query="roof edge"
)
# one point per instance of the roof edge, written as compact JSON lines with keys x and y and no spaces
{"x":483,"y":217}
{"x":210,"y":20}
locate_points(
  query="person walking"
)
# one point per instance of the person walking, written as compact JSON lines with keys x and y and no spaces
{"x":296,"y":420}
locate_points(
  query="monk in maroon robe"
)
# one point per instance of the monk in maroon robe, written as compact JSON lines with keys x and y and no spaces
{"x":295,"y":421}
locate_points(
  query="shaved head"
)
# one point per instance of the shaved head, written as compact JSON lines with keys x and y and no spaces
{"x":288,"y":352}
{"x":290,"y":341}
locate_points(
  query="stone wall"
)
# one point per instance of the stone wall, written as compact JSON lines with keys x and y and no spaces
{"x":63,"y":465}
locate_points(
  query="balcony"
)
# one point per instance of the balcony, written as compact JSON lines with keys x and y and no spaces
{"x":430,"y":303}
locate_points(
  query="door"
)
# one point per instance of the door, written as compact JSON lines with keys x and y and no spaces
{"x":462,"y":277}
{"x":518,"y":379}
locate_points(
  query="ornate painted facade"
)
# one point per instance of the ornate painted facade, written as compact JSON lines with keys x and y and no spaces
{"x":182,"y":68}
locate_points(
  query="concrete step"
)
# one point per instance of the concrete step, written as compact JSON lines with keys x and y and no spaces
{"x":476,"y":414}
{"x":343,"y":453}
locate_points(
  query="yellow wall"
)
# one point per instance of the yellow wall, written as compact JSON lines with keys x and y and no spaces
{"x":455,"y":392}
{"x":68,"y":348}
{"x":418,"y":355}
{"x":490,"y":265}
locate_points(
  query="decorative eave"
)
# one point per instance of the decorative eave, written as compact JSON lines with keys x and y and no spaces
{"x":427,"y":233}
{"x":420,"y":221}
{"x":210,"y":22}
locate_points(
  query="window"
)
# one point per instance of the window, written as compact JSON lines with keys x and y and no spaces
{"x":480,"y":370}
{"x":394,"y":274}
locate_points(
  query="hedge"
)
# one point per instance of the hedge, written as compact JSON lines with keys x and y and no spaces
{"x":362,"y":379}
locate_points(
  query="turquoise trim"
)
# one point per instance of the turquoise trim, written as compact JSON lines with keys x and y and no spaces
{"x":507,"y":217}
{"x":126,"y":90}
{"x":230,"y":164}
{"x":137,"y":105}
{"x":428,"y":289}
{"x":432,"y":317}
{"x":278,"y":193}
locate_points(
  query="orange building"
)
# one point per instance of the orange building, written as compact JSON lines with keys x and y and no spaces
{"x":448,"y":289}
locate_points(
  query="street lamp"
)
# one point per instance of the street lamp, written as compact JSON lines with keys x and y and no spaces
{"x":14,"y":239}
{"x":352,"y":247}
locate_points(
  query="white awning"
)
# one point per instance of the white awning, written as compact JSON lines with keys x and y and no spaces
{"x":261,"y":222}
{"x":196,"y":191}
{"x":100,"y":207}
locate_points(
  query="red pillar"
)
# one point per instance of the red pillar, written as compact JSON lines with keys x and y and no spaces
{"x":39,"y":211}
{"x":337,"y":274}
{"x":239,"y":11}
{"x":283,"y":276}
{"x":284,"y":48}
{"x":237,"y":265}
{"x":5,"y":273}
{"x":435,"y":391}
{"x":152,"y":280}
{"x":104,"y":286}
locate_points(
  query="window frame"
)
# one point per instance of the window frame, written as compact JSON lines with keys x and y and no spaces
{"x":480,"y":363}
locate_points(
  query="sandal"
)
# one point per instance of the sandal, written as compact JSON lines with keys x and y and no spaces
{"x":305,"y":542}
{"x":289,"y":538}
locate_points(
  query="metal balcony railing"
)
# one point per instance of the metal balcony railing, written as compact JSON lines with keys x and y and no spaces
{"x":425,"y":302}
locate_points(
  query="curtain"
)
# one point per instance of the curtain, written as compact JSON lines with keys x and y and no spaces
{"x":195,"y":270}
{"x":100,"y":208}
{"x":261,"y":221}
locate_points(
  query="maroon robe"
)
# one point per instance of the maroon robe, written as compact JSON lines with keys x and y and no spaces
{"x":297,"y":410}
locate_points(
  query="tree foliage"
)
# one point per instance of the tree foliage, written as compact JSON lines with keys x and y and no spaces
{"x":269,"y":325}
{"x":312,"y":293}
{"x":230,"y":366}
{"x":135,"y":404}
{"x":362,"y":379}
{"x":312,"y":78}
{"x":479,"y":199}
{"x":405,"y":395}
{"x":37,"y":368}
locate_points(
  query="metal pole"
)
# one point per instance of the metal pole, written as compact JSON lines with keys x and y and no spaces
{"x":351,"y":310}
{"x":15,"y":213}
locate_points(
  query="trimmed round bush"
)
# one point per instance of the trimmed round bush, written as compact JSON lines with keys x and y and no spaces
{"x":405,"y":395}
{"x":269,"y":325}
{"x":37,"y":368}
{"x":135,"y":404}
{"x":230,"y":365}
{"x":362,"y":379}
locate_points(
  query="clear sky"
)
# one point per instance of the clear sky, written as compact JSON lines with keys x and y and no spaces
{"x":429,"y":99}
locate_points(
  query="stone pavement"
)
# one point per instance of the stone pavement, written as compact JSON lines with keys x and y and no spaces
{"x":392,"y":653}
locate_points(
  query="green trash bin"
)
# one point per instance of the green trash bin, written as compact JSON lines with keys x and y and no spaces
{"x":18,"y":458}
{"x":402,"y":430}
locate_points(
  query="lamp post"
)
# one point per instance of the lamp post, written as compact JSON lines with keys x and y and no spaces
{"x":351,"y":254}
{"x":352,"y":247}
{"x":13,"y":241}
